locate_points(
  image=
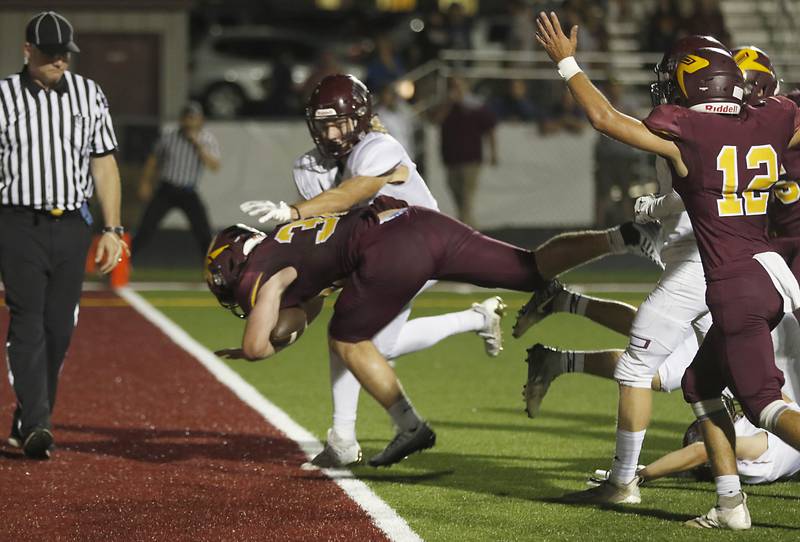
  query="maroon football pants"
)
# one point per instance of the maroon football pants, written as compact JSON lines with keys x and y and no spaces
{"x":737,"y":351}
{"x":397,"y":257}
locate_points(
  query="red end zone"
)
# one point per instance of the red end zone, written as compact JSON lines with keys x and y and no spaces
{"x":152,"y":447}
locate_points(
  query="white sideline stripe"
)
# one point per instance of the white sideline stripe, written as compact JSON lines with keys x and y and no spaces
{"x":383,"y":516}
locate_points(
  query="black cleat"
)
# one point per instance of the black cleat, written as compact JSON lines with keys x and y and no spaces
{"x":404,"y":444}
{"x":38,"y":443}
{"x":538,"y":307}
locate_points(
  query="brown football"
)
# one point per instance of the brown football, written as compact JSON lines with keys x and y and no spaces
{"x":291,"y":324}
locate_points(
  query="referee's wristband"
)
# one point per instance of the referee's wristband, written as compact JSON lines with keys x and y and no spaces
{"x":119,"y":230}
{"x":568,"y":68}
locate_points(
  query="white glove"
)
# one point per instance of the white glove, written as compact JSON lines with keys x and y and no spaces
{"x":279,"y":212}
{"x":643,"y":209}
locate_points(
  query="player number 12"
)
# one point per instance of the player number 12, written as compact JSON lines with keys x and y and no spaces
{"x":756,"y":194}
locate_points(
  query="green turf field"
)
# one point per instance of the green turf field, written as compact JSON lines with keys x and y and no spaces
{"x":494,"y":473}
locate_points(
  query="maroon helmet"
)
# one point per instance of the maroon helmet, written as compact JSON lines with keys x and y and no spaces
{"x":708,"y":80}
{"x":663,"y":90}
{"x":760,"y":80}
{"x":225,"y":260}
{"x":338,"y":100}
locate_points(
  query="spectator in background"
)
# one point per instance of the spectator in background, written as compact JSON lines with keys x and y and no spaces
{"x":522,"y":30}
{"x":708,"y":19}
{"x":465,"y":124}
{"x":177,"y":162}
{"x":280,"y":89}
{"x":515,"y":103}
{"x":386,"y":67}
{"x":433,"y":38}
{"x":614,"y":167}
{"x":569,"y":115}
{"x":663,"y":27}
{"x":459,"y":27}
{"x":397,"y":117}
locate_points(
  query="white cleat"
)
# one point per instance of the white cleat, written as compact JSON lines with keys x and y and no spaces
{"x":602,"y":475}
{"x":543,"y":367}
{"x":337,"y":453}
{"x":607,"y":492}
{"x":649,"y":245}
{"x":493,"y":310}
{"x":537,"y":308}
{"x":735,"y":519}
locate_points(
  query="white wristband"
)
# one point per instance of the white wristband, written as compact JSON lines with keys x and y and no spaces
{"x":568,"y":67}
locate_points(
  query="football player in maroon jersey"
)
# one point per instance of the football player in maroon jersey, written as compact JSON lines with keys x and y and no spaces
{"x":385,"y":253}
{"x":724,"y":158}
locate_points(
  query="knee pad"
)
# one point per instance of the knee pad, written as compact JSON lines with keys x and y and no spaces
{"x":386,"y":339}
{"x":770,"y":414}
{"x":708,"y":407}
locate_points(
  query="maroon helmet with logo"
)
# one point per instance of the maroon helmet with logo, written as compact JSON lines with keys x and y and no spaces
{"x":344,"y":102}
{"x":225,"y":260}
{"x":760,"y":80}
{"x":708,"y":80}
{"x":663,"y":90}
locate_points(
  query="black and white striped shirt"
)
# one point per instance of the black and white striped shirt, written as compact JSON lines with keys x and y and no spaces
{"x":179,"y":160}
{"x":47,"y":138}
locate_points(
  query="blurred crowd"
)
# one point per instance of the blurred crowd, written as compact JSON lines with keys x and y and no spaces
{"x":394,"y":52}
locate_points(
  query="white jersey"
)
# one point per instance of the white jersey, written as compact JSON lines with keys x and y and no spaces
{"x":376,"y":154}
{"x":778,"y":462}
{"x":677,"y":234}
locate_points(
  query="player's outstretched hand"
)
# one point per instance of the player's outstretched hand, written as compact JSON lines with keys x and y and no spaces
{"x":267,"y":210}
{"x":557,"y":45}
{"x":230,"y":353}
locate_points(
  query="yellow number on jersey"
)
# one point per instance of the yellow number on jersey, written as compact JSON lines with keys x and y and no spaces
{"x":787,"y":191}
{"x":286,"y":233}
{"x":755,"y":195}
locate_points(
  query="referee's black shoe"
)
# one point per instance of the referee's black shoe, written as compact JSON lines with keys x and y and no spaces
{"x":38,"y":443}
{"x":404,"y":444}
{"x":15,"y":437}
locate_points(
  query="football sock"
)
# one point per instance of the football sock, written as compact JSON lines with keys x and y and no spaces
{"x":630,"y":234}
{"x":404,"y":415}
{"x":629,"y":446}
{"x":421,"y":333}
{"x":615,"y":240}
{"x":571,"y":361}
{"x":728,"y":485}
{"x":344,"y":390}
{"x":572,"y":302}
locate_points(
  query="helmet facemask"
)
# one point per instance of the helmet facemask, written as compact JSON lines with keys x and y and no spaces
{"x":225,"y":261}
{"x":340,"y":106}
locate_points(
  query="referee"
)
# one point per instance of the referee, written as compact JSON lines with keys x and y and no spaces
{"x":56,"y":146}
{"x":179,"y":157}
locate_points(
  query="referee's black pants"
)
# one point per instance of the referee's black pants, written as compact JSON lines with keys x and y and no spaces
{"x":167,"y":197}
{"x":42,"y":261}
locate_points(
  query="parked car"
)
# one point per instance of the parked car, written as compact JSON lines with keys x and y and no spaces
{"x":233,"y":67}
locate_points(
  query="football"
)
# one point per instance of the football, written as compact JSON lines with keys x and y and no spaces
{"x":291,"y":325}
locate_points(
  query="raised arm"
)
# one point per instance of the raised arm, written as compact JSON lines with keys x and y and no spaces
{"x":603,"y":116}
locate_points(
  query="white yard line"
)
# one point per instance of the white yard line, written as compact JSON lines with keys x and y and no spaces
{"x":384,"y":517}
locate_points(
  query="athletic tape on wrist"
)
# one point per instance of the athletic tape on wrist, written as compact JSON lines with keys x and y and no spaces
{"x":568,"y":68}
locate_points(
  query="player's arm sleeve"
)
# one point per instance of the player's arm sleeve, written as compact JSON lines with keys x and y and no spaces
{"x":665,"y":121}
{"x":376,"y":158}
{"x":305,"y":180}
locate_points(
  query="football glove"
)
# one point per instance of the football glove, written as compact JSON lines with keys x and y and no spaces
{"x":643,"y":209}
{"x":279,"y":212}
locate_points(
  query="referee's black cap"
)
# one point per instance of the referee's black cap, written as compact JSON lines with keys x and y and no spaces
{"x":51,"y":33}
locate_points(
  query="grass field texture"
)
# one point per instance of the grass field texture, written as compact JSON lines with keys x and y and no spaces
{"x":495,"y":474}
